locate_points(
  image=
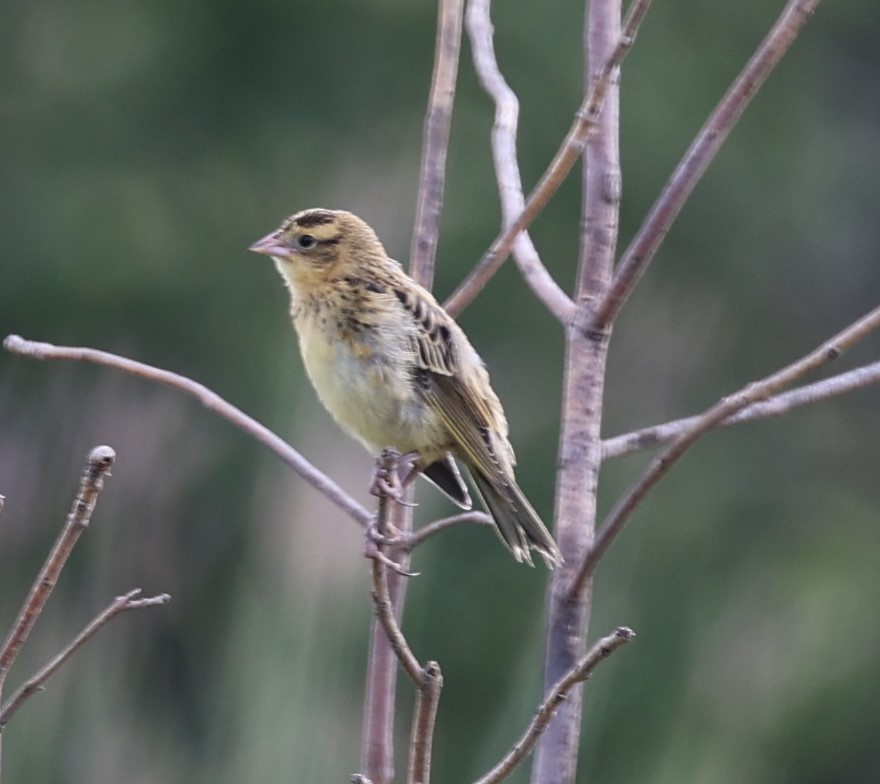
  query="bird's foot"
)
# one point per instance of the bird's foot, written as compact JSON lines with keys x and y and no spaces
{"x":389,"y":479}
{"x":390,"y":536}
{"x":375,"y":539}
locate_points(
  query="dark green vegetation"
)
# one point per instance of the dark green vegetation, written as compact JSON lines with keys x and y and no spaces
{"x":146,"y":145}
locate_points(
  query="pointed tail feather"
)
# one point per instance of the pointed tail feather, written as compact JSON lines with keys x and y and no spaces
{"x":516,"y":522}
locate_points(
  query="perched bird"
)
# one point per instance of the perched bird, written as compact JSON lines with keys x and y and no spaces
{"x":394,"y":369}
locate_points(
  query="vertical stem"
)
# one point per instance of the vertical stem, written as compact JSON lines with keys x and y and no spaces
{"x":422,"y":737}
{"x":377,"y":749}
{"x":377,"y":745}
{"x":438,"y":120}
{"x":576,"y":489}
{"x":579,"y":444}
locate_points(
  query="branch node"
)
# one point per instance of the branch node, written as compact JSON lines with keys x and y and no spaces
{"x":432,"y":672}
{"x":101,"y":458}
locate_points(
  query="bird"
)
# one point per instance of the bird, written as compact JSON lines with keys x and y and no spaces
{"x":394,"y":369}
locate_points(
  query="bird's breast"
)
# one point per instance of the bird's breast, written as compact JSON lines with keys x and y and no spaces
{"x":364,"y":376}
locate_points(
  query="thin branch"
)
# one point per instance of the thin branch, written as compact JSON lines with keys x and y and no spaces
{"x":438,"y":120}
{"x":377,"y":741}
{"x":381,"y":597}
{"x":567,"y":155}
{"x":98,"y":466}
{"x":780,"y":404}
{"x":432,"y":529}
{"x":507,"y":174}
{"x":119,"y":605}
{"x":752,"y":393}
{"x":377,"y":748}
{"x":701,"y":153}
{"x":210,"y":400}
{"x":377,"y":744}
{"x":424,"y":720}
{"x":377,"y":762}
{"x":556,"y":695}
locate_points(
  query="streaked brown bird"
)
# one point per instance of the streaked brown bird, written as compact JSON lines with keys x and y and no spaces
{"x":394,"y":369}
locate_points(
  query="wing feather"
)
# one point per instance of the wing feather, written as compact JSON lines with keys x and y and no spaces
{"x":454,"y":382}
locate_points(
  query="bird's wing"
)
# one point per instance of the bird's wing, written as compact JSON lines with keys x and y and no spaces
{"x":432,"y":336}
{"x":453,"y":381}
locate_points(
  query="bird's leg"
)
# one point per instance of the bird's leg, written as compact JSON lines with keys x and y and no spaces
{"x":372,"y":541}
{"x":386,"y":485}
{"x":392,"y":473}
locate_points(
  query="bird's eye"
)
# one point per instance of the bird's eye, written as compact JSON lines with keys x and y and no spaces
{"x":306,"y":241}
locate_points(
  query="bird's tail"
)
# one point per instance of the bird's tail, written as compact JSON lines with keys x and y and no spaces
{"x":516,"y":522}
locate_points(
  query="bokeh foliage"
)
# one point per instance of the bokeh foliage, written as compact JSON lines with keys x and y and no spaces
{"x":145,"y":145}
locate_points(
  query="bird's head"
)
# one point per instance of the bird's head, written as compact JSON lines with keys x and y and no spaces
{"x":318,"y":244}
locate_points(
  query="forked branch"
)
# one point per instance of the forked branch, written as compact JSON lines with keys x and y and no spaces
{"x":557,"y":694}
{"x":700,"y":154}
{"x":121,"y":604}
{"x":98,"y":465}
{"x":709,"y":420}
{"x":559,"y":168}
{"x":779,"y":404}
{"x":510,"y":189}
{"x":427,"y":680}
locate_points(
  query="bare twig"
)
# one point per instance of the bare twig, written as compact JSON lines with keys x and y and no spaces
{"x":377,"y":745}
{"x":377,"y":762}
{"x":98,"y":466}
{"x":726,"y":407}
{"x":119,"y":605}
{"x":701,"y":153}
{"x":210,"y":400}
{"x":387,"y":643}
{"x":556,"y":695}
{"x":779,"y":404}
{"x":567,"y":155}
{"x":431,"y":529}
{"x":424,"y":719}
{"x":381,"y":597}
{"x":436,"y":142}
{"x":510,"y":189}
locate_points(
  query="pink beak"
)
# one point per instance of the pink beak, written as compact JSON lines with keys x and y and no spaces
{"x":271,"y":245}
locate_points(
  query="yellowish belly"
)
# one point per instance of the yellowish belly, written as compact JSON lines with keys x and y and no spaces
{"x":370,"y":395}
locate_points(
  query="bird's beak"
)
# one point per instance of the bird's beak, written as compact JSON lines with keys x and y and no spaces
{"x":271,"y":245}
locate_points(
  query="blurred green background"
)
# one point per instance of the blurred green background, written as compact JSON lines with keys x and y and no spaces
{"x":145,"y":145}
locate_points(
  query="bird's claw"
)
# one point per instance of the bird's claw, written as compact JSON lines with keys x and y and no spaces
{"x":387,"y":481}
{"x":390,"y":537}
{"x":372,"y":541}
